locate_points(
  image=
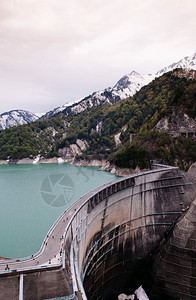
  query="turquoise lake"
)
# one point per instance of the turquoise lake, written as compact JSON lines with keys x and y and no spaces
{"x":32,"y":197}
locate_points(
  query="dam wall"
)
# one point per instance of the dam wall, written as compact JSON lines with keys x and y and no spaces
{"x":110,"y":237}
{"x":114,"y":239}
{"x":173,"y":267}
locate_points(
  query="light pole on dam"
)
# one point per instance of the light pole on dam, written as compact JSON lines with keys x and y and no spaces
{"x":136,"y":230}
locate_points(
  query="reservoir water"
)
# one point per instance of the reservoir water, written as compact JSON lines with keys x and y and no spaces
{"x":32,"y":197}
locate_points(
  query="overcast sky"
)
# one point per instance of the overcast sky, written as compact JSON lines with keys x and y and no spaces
{"x":56,"y":51}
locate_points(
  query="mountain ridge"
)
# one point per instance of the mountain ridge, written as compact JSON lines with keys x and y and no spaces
{"x":158,"y":116}
{"x":125,"y":87}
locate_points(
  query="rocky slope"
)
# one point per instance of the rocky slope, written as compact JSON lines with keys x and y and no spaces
{"x":177,"y":124}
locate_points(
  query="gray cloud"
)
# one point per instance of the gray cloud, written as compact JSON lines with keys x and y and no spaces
{"x":55,"y":51}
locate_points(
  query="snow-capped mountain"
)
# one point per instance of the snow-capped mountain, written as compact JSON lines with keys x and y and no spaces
{"x":95,"y":99}
{"x":127,"y":86}
{"x":57,"y":110}
{"x":188,"y":62}
{"x":16,"y":117}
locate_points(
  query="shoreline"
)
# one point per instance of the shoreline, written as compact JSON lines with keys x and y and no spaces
{"x":104,"y":165}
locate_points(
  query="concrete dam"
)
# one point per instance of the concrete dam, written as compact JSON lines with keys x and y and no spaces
{"x":137,"y":230}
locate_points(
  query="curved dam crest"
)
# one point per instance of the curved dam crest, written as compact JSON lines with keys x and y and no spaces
{"x":136,"y":230}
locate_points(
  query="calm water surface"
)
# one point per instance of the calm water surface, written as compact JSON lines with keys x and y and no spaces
{"x":33,"y":196}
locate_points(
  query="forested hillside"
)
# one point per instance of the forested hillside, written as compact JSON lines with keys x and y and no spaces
{"x":100,"y":126}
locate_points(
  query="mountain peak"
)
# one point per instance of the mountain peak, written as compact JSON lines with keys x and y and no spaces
{"x":126,"y":87}
{"x":134,"y":73}
{"x":16,"y":117}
